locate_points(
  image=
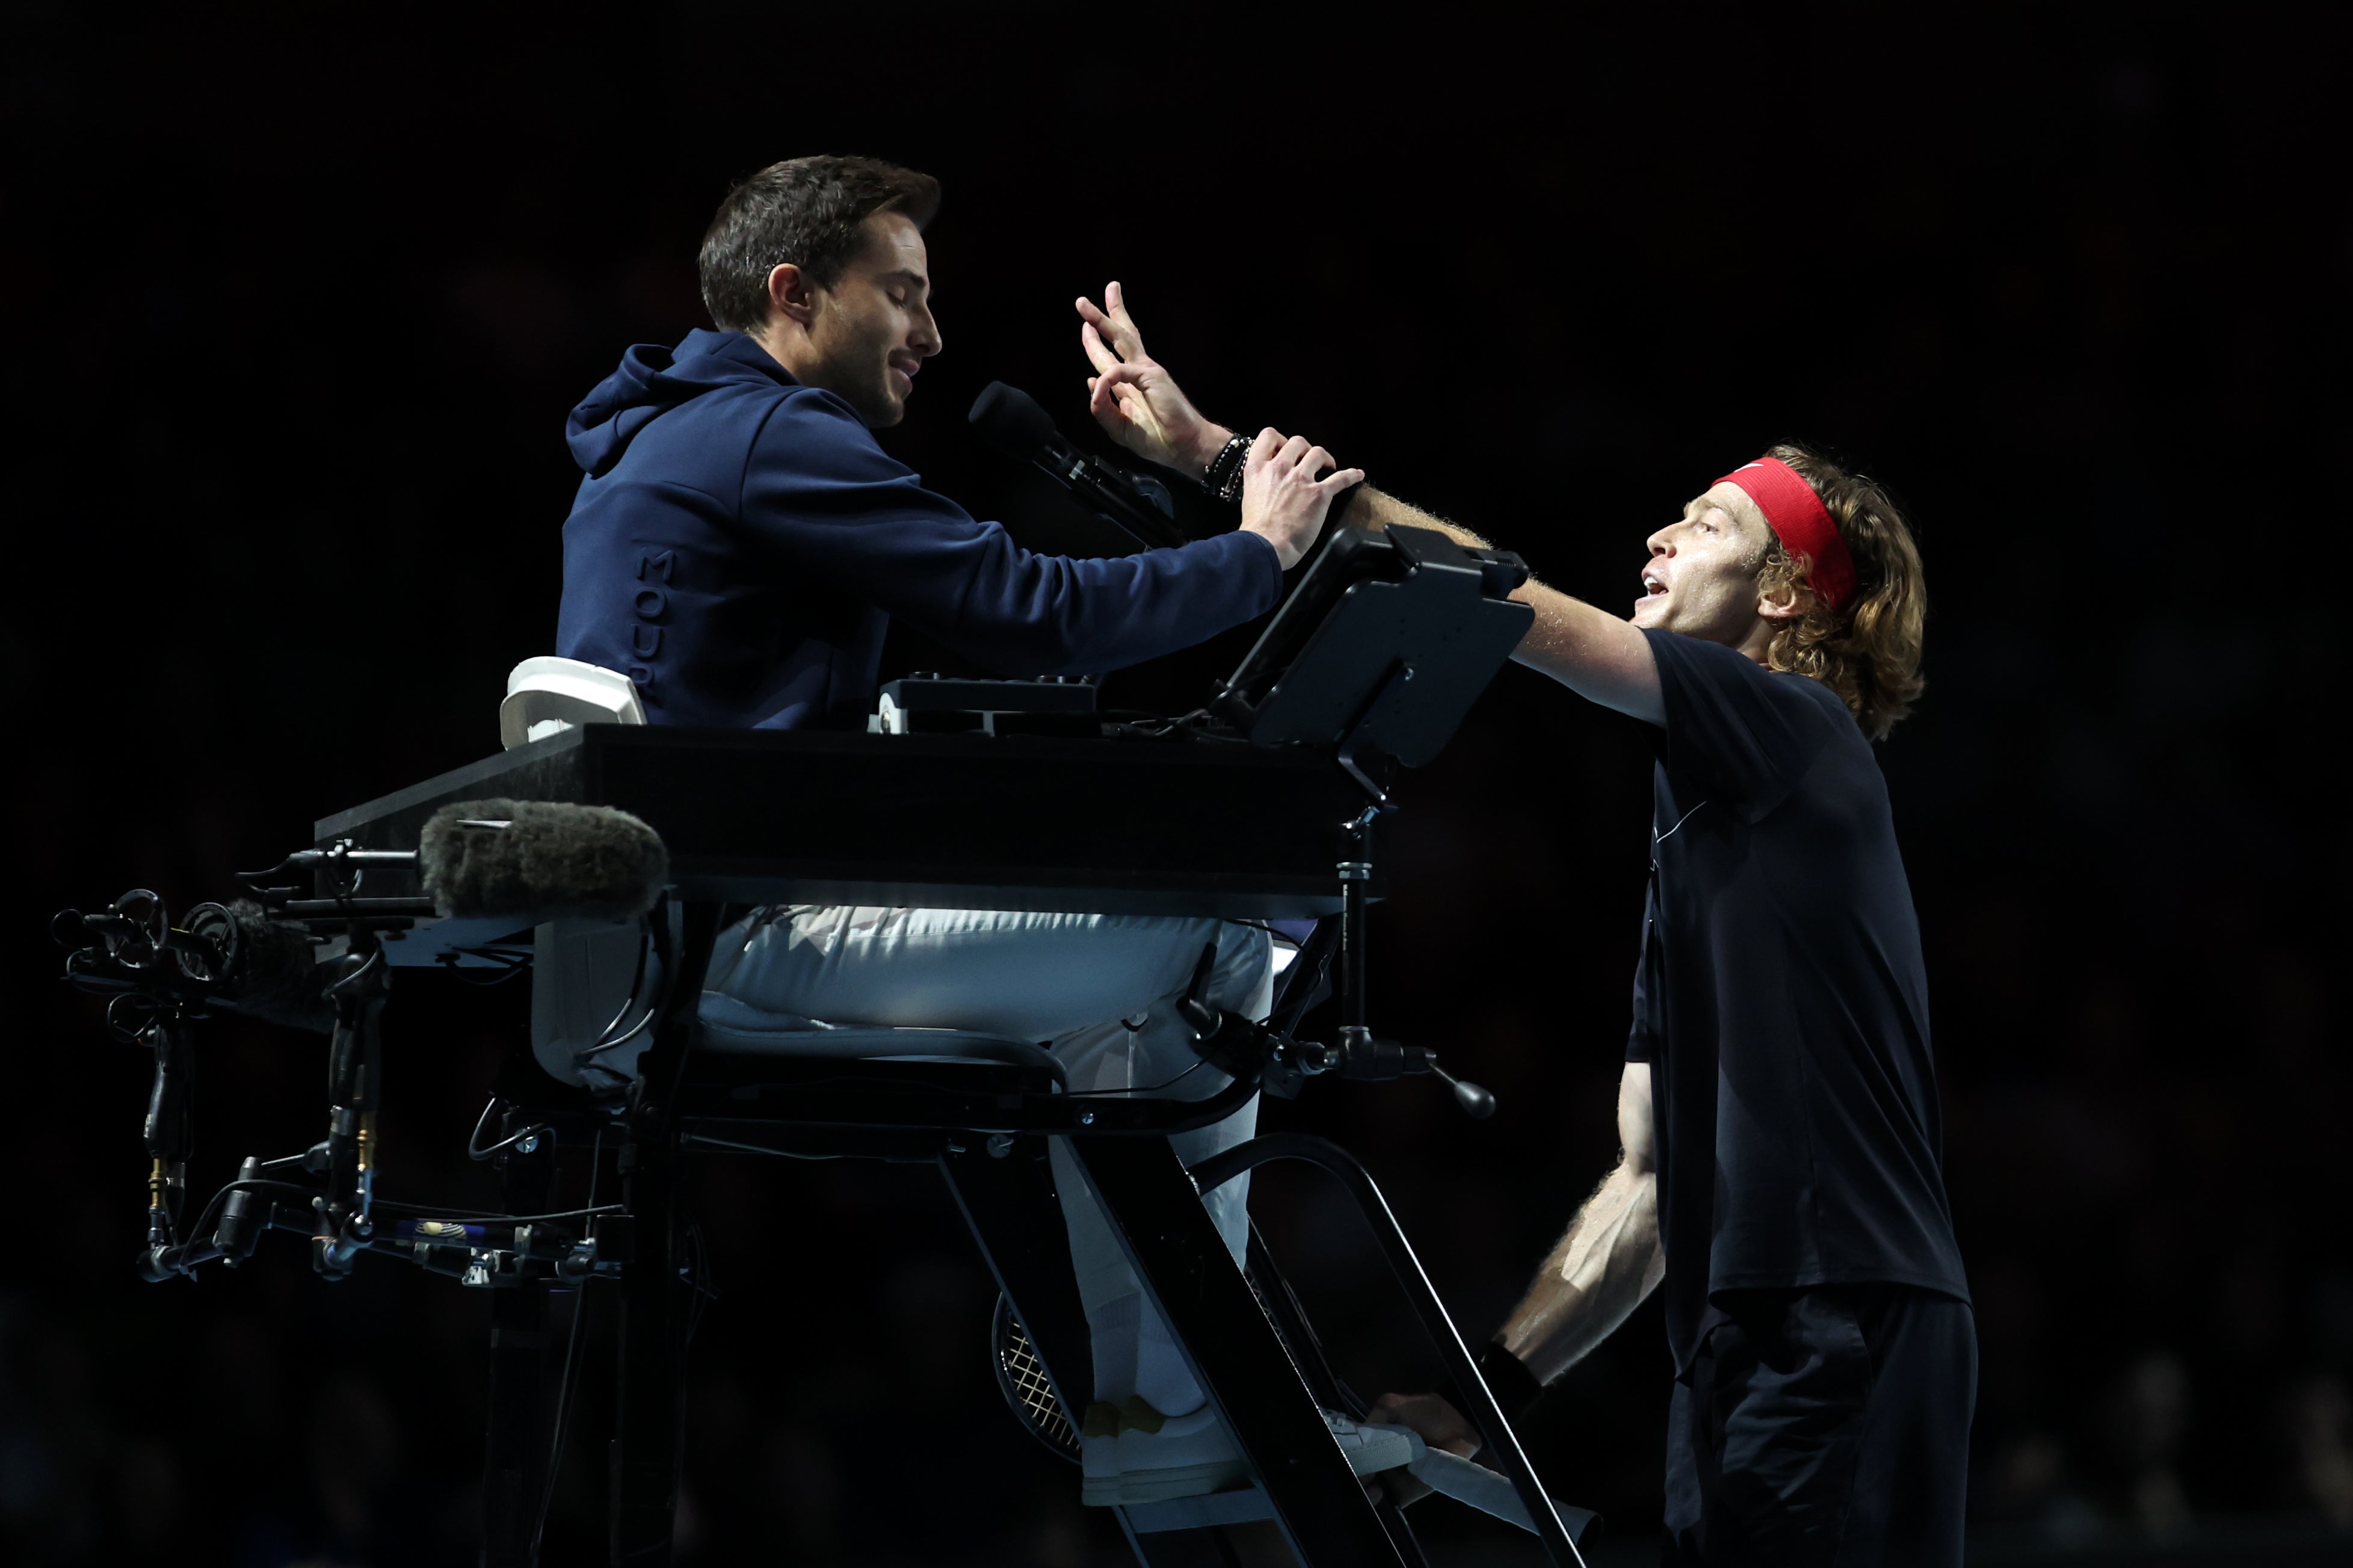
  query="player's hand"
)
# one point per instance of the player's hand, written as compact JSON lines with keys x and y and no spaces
{"x":1439,"y":1424}
{"x":1282,"y":501}
{"x":1136,"y":400}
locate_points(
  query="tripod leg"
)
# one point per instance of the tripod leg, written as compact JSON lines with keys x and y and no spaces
{"x":649,"y":1417}
{"x":1235,"y":1352}
{"x":515,"y":1459}
{"x":650,"y":1413}
{"x":515,"y":1453}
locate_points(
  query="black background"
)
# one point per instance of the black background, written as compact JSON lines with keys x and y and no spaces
{"x":296,"y":305}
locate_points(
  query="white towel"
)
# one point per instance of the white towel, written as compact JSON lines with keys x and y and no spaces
{"x":1489,"y":1491}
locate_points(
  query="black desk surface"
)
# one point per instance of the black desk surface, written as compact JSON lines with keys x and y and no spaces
{"x":1120,"y":827}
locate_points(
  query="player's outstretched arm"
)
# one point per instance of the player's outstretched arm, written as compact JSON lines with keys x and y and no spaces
{"x":1139,"y":404}
{"x":1609,"y":1261}
{"x":1585,"y":648}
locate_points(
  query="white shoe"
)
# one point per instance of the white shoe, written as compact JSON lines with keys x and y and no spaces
{"x":1133,"y":1454}
{"x":1153,"y":1457}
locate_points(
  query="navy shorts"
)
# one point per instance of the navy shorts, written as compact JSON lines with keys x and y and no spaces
{"x":1828,"y":1426}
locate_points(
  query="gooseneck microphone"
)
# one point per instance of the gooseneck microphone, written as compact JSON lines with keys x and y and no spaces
{"x":1010,"y":419}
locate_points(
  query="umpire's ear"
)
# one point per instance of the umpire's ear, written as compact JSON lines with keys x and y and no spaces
{"x":790,"y":294}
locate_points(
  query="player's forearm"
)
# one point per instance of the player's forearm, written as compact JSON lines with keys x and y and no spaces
{"x":1369,"y":509}
{"x":1587,"y":649}
{"x":1607,"y":1262}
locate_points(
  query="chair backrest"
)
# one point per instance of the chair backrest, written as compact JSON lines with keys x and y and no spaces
{"x":581,"y":970}
{"x":547,"y":695}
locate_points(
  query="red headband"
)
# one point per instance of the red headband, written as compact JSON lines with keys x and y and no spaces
{"x":1801,"y":523}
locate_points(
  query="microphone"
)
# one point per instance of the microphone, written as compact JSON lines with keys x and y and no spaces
{"x":1010,"y":420}
{"x":236,"y":954}
{"x":262,"y":968}
{"x":1477,"y":1103}
{"x":537,"y":860}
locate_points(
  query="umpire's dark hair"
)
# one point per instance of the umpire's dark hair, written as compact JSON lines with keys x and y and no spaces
{"x":805,"y":211}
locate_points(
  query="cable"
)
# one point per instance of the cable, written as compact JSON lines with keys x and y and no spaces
{"x":1155,"y":728}
{"x":572,"y":1344}
{"x":637,"y":984}
{"x":604,"y":1040}
{"x":474,"y":1149}
{"x":202,"y":1227}
{"x":1149,"y":1088}
{"x":204,"y":1220}
{"x":476,"y":1217}
{"x":373,"y":960}
{"x":579,"y":1059}
{"x":705,"y":1141}
{"x":508,"y":967}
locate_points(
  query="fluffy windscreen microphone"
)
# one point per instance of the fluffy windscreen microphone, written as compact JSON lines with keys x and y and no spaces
{"x":262,"y":968}
{"x":537,"y":860}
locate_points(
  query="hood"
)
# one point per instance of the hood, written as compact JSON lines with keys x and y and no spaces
{"x":652,"y":380}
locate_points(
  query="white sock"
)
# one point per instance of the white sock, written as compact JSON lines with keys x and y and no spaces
{"x":1162,"y":1377}
{"x":1112,"y":1327}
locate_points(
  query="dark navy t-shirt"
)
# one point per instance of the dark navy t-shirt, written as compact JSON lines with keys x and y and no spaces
{"x":1781,"y":1000}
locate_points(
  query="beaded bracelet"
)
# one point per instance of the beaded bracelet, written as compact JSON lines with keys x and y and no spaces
{"x":1223,"y":478}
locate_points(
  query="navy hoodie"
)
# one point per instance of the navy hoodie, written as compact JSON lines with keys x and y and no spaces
{"x":740,"y":542}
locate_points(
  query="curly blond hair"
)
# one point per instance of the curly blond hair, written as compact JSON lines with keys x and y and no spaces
{"x":1869,"y":652}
